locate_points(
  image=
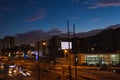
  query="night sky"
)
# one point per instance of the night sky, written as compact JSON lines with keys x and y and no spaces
{"x":21,"y":16}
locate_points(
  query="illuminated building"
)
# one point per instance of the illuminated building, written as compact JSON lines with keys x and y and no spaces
{"x":8,"y":42}
{"x":102,"y":48}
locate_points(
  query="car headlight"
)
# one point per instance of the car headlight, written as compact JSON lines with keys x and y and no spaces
{"x":9,"y":71}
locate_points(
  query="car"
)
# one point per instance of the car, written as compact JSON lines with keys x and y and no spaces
{"x":116,"y":71}
{"x":102,"y":68}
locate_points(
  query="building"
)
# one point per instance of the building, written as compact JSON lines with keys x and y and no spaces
{"x":102,"y":48}
{"x":1,"y":44}
{"x":7,"y":43}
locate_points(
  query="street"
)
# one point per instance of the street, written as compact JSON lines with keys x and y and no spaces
{"x":88,"y":74}
{"x":60,"y":72}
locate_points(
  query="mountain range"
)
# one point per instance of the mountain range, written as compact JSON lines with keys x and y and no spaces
{"x":38,"y":35}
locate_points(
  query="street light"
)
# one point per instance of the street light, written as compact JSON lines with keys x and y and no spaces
{"x":75,"y":54}
{"x":44,"y":44}
{"x":66,"y":53}
{"x":70,"y":76}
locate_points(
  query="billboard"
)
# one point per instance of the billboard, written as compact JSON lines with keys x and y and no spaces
{"x":66,"y":45}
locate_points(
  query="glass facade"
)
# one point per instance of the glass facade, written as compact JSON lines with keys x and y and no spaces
{"x":102,"y":58}
{"x":115,"y":58}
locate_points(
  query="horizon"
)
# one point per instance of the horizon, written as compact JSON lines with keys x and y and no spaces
{"x":39,"y":35}
{"x":56,"y":29}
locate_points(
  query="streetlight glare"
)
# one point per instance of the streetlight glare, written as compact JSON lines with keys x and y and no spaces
{"x":44,"y":43}
{"x":65,"y":51}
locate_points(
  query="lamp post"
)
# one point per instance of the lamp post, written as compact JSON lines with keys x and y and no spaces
{"x":75,"y":56}
{"x":70,"y":76}
{"x":69,"y":51}
{"x":44,"y":44}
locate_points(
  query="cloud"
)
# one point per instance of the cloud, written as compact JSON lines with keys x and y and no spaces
{"x":92,"y":7}
{"x":107,"y":3}
{"x":30,"y":37}
{"x":96,"y":19}
{"x":34,"y":18}
{"x":54,"y":31}
{"x":40,"y":14}
{"x":39,"y":35}
{"x":102,"y":3}
{"x":36,"y":35}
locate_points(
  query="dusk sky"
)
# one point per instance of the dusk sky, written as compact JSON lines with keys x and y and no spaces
{"x":21,"y":16}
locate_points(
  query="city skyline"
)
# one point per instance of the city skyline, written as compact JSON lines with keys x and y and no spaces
{"x":19,"y":17}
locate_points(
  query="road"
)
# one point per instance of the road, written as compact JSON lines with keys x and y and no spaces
{"x":88,"y":74}
{"x":45,"y":73}
{"x":55,"y":72}
{"x":98,"y":75}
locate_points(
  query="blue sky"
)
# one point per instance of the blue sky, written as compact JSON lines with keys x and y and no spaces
{"x":21,"y":16}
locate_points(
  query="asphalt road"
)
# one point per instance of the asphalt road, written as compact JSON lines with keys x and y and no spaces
{"x":51,"y":72}
{"x":45,"y":73}
{"x":87,"y":74}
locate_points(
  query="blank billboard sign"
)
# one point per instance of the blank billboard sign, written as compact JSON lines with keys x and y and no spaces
{"x":66,"y":45}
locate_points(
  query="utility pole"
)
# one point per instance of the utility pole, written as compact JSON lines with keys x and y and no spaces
{"x":75,"y":56}
{"x":38,"y":46}
{"x":70,"y":77}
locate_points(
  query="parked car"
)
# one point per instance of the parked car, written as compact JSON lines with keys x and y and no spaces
{"x":116,"y":71}
{"x":102,"y":67}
